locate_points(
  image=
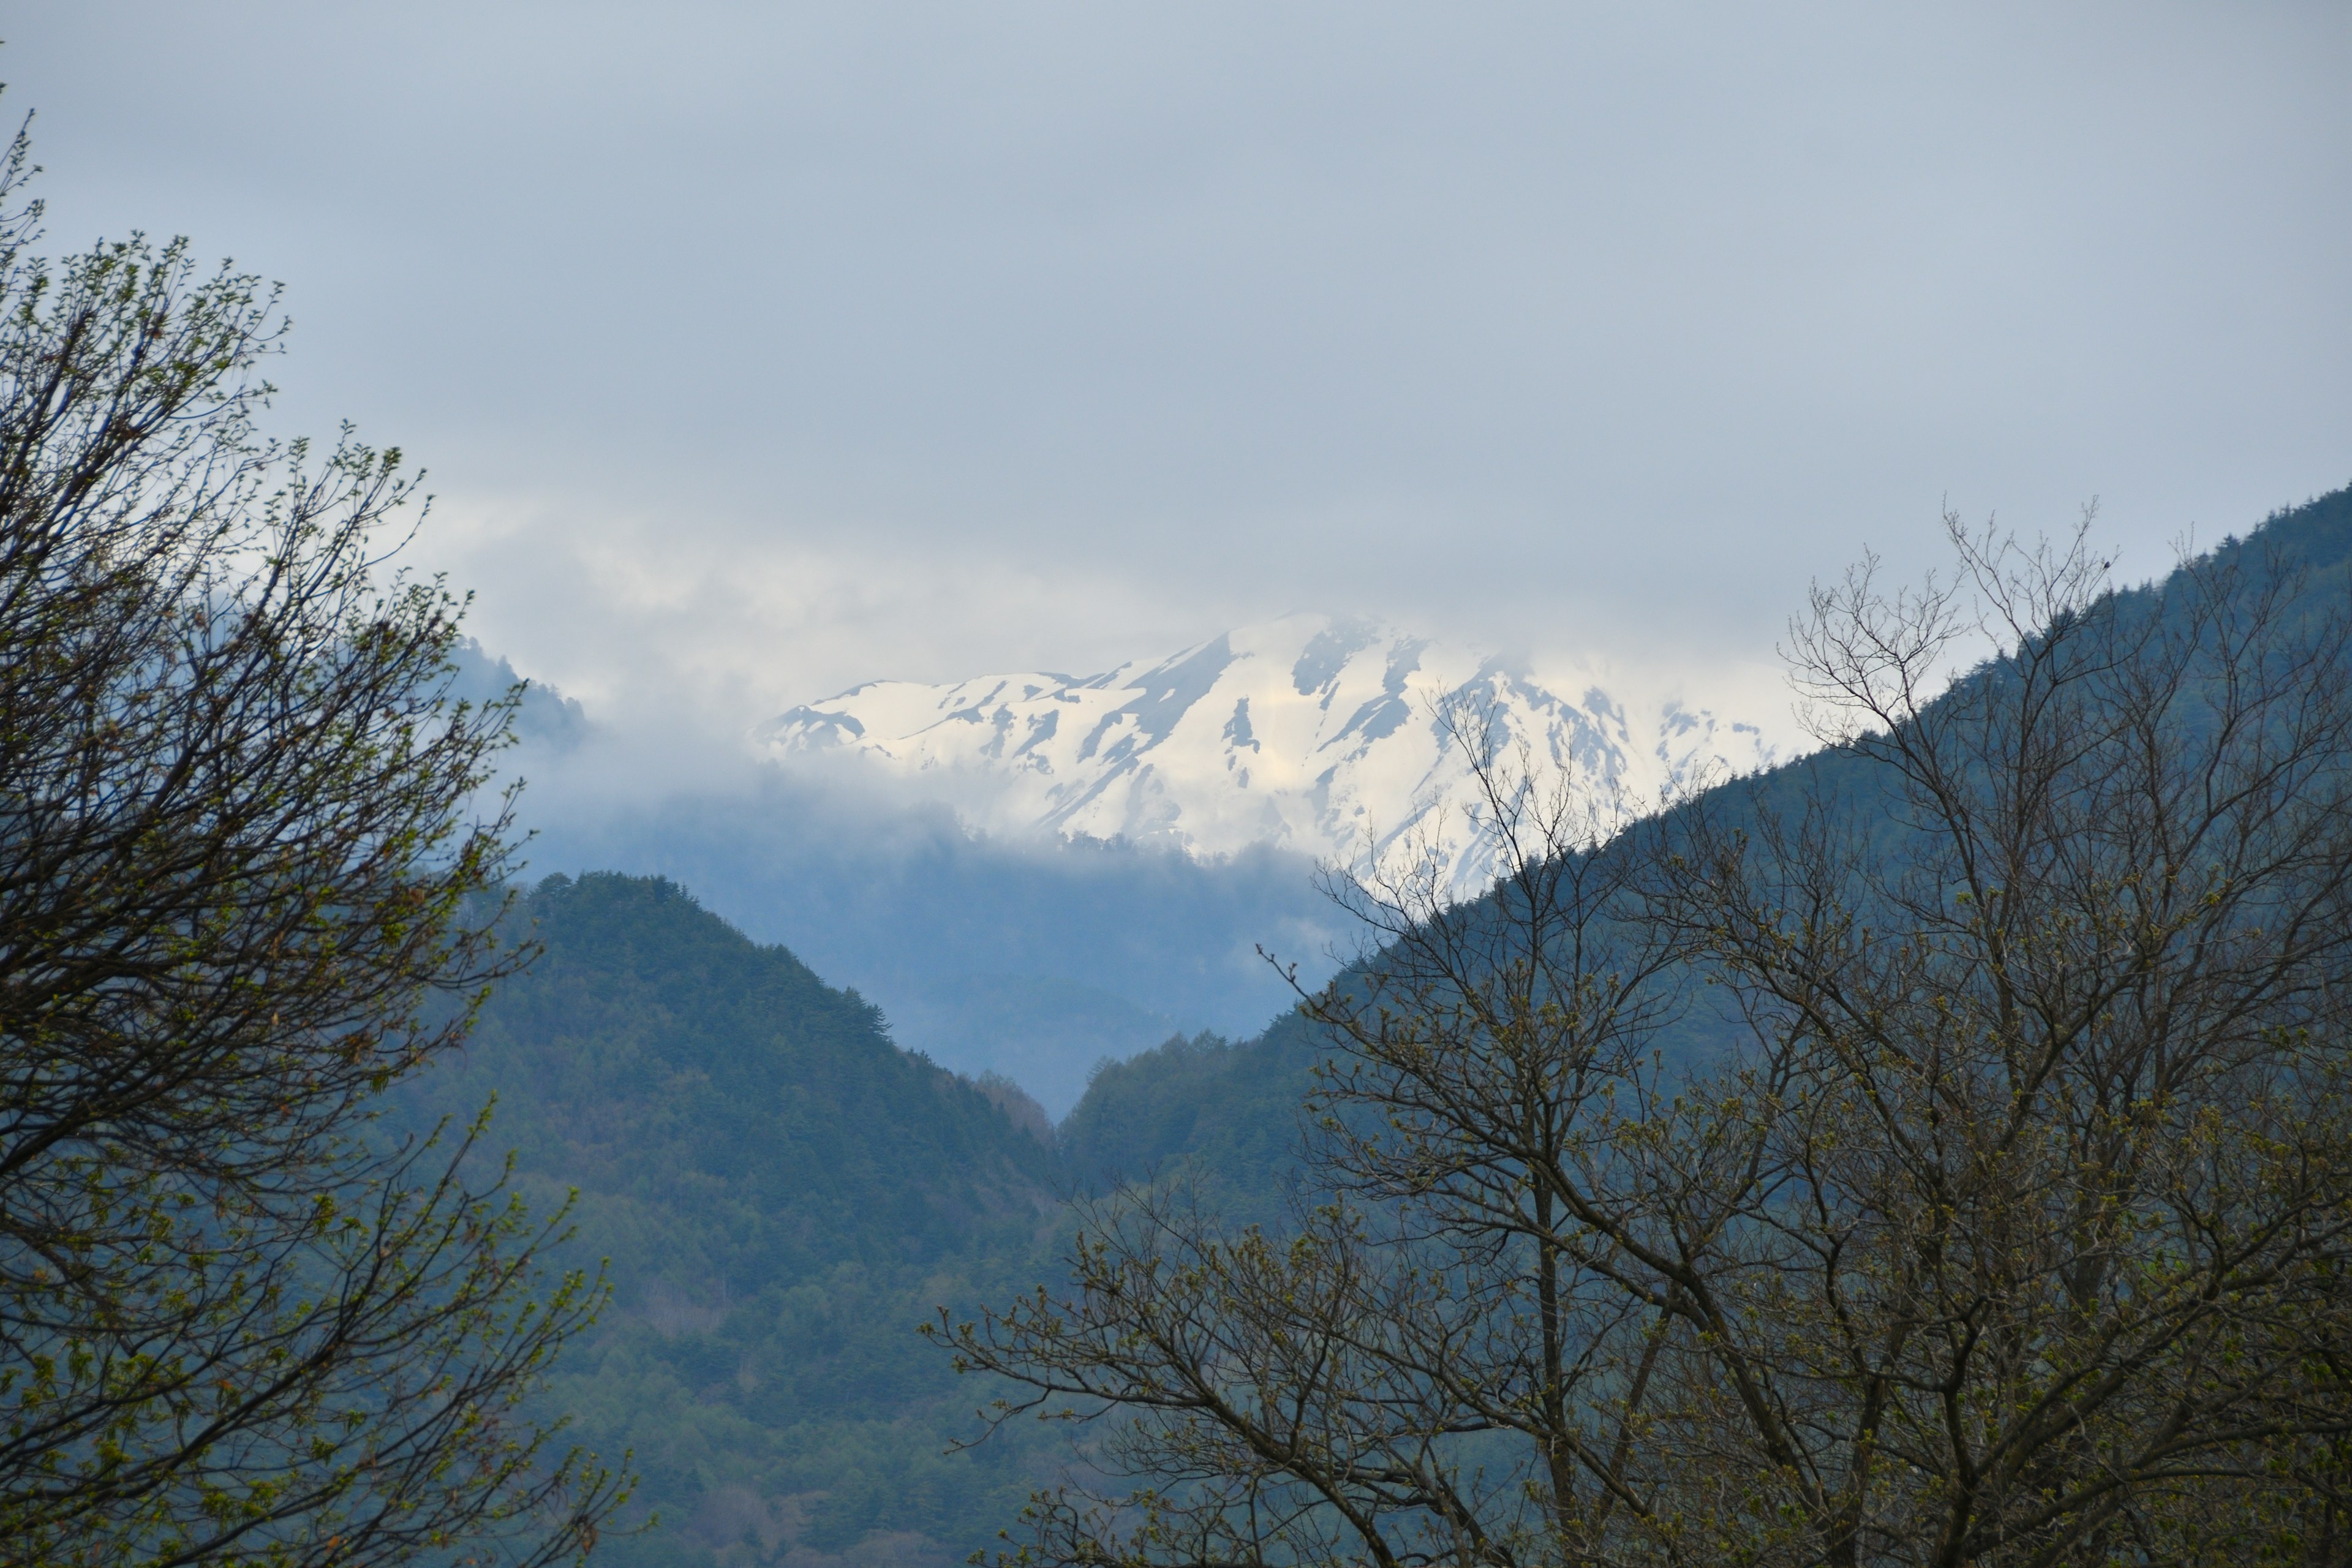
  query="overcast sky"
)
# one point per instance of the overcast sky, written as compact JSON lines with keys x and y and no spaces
{"x":755,"y":350}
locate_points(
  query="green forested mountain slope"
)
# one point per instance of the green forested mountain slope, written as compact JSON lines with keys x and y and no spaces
{"x":1230,"y":1111}
{"x":784,"y":1196}
{"x":1227,"y":1113}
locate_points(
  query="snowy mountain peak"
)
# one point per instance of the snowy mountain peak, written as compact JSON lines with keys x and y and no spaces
{"x":1313,"y":732}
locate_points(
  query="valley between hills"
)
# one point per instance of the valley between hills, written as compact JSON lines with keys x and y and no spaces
{"x":783,"y":1192}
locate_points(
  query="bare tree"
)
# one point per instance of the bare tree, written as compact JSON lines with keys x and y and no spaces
{"x":2049,"y":1259}
{"x":238,"y":854}
{"x":1936,"y":1153}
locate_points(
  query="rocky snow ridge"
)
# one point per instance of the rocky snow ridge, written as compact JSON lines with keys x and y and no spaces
{"x":1312,"y":733}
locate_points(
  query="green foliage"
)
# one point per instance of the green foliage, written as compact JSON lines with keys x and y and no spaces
{"x":239,"y":831}
{"x":784,"y":1196}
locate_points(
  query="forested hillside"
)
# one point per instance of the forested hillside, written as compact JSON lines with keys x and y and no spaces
{"x":1231,"y":1110}
{"x":1674,"y":1197}
{"x":1477,"y":991}
{"x":784,"y":1196}
{"x":1036,"y":959}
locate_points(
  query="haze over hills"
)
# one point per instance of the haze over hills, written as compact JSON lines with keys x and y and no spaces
{"x":1032,"y":874}
{"x":779,"y":1196}
{"x":784,"y":1196}
{"x":1313,"y":733}
{"x":1024,"y":954}
{"x":1029,"y":957}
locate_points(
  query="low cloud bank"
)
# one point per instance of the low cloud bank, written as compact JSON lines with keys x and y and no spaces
{"x":1034,"y":958}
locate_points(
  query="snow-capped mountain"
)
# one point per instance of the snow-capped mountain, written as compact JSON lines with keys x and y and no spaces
{"x":1313,"y":732}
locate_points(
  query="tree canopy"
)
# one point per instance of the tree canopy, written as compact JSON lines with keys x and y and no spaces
{"x":239,"y":839}
{"x":1941,"y":1153}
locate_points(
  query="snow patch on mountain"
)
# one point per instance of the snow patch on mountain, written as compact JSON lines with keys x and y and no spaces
{"x":1316,"y":733}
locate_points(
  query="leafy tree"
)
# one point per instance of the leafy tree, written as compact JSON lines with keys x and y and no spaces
{"x":1941,"y":1153}
{"x":236,"y":843}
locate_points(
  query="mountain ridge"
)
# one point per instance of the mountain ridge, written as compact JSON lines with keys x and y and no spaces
{"x":1316,"y":733}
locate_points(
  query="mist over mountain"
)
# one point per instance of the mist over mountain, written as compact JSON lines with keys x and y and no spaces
{"x":1326,"y":735}
{"x":1023,"y":954}
{"x":547,"y":724}
{"x":784,"y":1196}
{"x":1031,"y":875}
{"x":1031,"y":958}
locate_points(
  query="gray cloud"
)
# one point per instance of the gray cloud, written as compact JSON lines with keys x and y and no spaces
{"x":765,"y":349}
